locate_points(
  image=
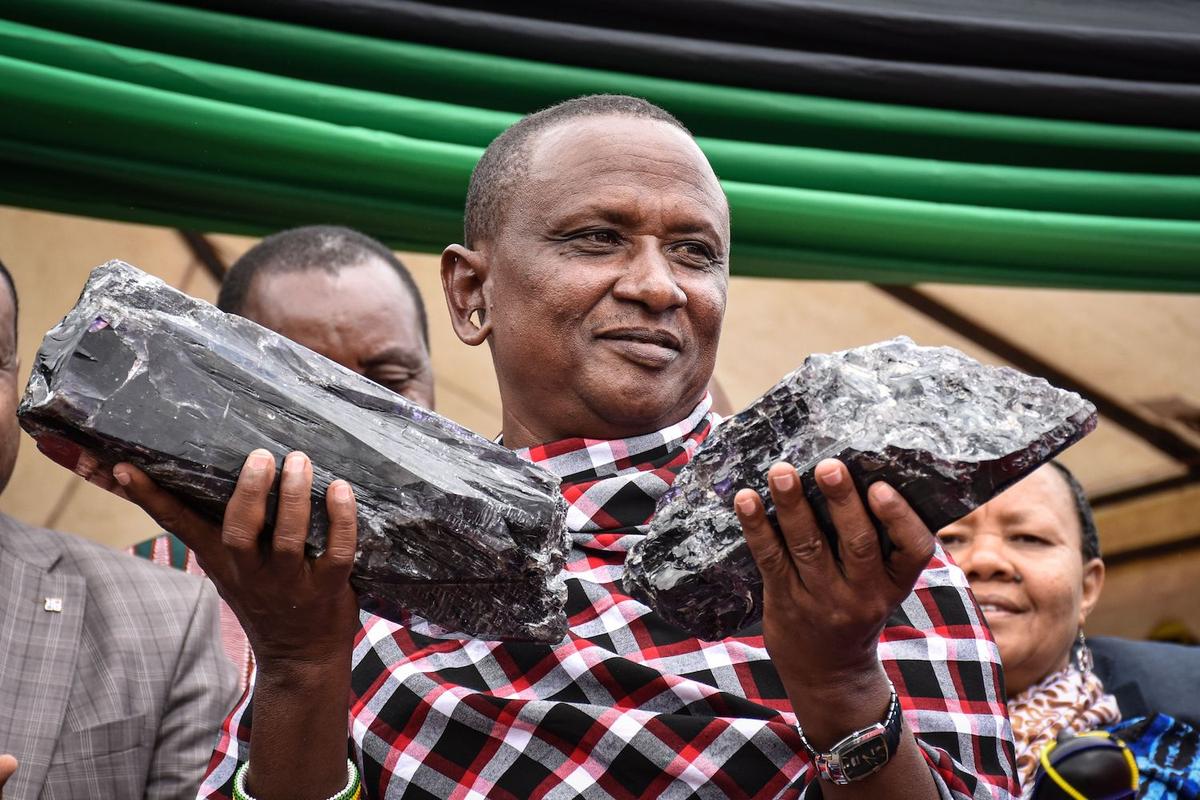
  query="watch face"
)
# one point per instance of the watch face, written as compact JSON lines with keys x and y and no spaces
{"x":865,"y":758}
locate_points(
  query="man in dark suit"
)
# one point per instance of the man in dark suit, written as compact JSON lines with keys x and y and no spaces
{"x":112,"y":681}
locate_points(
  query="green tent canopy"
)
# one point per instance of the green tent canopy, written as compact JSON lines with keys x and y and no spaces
{"x":153,"y":112}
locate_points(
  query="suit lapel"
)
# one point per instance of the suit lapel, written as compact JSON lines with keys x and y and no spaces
{"x":38,"y":650}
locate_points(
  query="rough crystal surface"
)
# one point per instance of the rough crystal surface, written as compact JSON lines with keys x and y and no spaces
{"x":451,"y":526}
{"x":947,"y":432}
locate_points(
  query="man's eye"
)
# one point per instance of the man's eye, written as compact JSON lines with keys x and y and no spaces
{"x":951,"y":539}
{"x":393,"y":381}
{"x":606,"y":238}
{"x":1028,"y":538}
{"x":694,"y":251}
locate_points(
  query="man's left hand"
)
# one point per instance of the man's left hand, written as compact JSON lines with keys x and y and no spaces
{"x":823,"y":616}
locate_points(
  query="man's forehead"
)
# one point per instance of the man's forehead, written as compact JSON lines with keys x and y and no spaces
{"x":623,"y":140}
{"x":605,"y":162}
{"x":366,"y":288}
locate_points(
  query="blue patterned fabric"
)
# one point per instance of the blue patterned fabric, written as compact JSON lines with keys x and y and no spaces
{"x":1168,"y":756}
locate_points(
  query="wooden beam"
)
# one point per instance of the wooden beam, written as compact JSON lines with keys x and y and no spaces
{"x":1140,"y":596}
{"x":1137,"y":527}
{"x":1189,"y":478}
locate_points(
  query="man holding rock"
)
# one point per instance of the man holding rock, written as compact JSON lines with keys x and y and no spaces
{"x":339,"y":293}
{"x":595,"y":268}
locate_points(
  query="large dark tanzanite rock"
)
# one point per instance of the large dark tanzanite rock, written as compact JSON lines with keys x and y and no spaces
{"x":946,"y":431}
{"x":451,"y":526}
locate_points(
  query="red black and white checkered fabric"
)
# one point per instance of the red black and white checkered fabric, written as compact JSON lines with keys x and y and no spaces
{"x":626,"y":705}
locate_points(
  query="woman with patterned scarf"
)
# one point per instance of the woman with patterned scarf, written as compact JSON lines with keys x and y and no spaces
{"x":1032,"y":556}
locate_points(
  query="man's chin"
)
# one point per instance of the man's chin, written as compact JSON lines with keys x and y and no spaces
{"x":638,"y":409}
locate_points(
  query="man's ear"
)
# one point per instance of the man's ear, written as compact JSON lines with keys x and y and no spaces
{"x":1093,"y":584}
{"x":464,"y":282}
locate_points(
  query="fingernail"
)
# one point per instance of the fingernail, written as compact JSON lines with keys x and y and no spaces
{"x":744,"y":505}
{"x":884,"y":494}
{"x":122,"y":476}
{"x":294,"y":462}
{"x":259,"y":460}
{"x":341,"y":492}
{"x":783,"y":481}
{"x":830,"y":473}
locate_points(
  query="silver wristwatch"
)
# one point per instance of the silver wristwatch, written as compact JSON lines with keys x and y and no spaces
{"x":863,"y":752}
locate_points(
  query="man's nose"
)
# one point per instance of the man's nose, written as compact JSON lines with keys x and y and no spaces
{"x":985,"y":558}
{"x":649,"y":279}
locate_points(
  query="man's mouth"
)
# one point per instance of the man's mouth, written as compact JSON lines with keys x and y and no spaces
{"x":650,"y":347}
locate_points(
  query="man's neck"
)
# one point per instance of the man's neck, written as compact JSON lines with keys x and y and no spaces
{"x":521,"y":432}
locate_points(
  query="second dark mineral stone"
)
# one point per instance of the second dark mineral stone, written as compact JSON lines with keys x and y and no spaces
{"x":944,"y":430}
{"x":451,"y":526}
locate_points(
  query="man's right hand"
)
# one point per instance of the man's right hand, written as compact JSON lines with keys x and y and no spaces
{"x":8,"y":765}
{"x":296,"y":611}
{"x":299,"y":614}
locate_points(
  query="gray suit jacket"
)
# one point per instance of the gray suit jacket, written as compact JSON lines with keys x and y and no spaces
{"x":121,"y":693}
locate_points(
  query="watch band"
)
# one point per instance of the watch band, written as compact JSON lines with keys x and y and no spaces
{"x":863,"y":752}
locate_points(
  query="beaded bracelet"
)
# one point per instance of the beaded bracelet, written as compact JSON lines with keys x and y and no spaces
{"x":352,"y":791}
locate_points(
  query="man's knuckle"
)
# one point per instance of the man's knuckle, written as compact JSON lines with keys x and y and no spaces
{"x":862,"y":545}
{"x":343,"y":521}
{"x":808,"y":551}
{"x":288,"y":544}
{"x":341,"y":555}
{"x":238,"y":536}
{"x":771,"y":560}
{"x":293,"y":503}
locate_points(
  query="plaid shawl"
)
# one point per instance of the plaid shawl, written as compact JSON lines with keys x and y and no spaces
{"x":626,"y":705}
